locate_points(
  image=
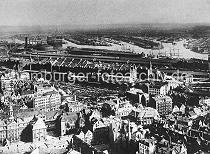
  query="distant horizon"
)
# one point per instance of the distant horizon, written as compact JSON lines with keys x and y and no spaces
{"x":102,"y":12}
{"x":127,"y":27}
{"x":110,"y":24}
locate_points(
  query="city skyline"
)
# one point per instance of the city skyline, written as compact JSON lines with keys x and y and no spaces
{"x":104,"y":76}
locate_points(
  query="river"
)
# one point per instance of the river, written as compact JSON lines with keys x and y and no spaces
{"x":168,"y":49}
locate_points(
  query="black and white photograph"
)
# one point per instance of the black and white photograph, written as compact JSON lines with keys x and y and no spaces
{"x":104,"y":76}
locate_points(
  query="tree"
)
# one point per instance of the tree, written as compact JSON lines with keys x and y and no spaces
{"x":142,"y":54}
{"x":143,"y":100}
{"x":106,"y":110}
{"x":151,"y":103}
{"x":192,"y":100}
{"x":29,"y":103}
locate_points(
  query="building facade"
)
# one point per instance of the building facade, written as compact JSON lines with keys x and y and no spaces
{"x":158,"y":89}
{"x":47,"y":101}
{"x":147,"y":116}
{"x":68,"y":122}
{"x":39,"y":130}
{"x":147,"y":146}
{"x":12,"y":128}
{"x":163,"y":104}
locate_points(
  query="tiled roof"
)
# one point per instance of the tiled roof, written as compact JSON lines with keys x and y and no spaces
{"x":148,"y":112}
{"x":26,"y":113}
{"x":51,"y":114}
{"x":135,"y":91}
{"x":39,"y":124}
{"x":69,"y":117}
{"x":50,"y":93}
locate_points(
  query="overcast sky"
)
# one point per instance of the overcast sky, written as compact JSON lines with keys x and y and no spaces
{"x":59,"y":12}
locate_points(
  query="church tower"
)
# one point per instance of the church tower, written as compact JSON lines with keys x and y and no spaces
{"x":149,"y":71}
{"x":133,"y":74}
{"x":11,"y":113}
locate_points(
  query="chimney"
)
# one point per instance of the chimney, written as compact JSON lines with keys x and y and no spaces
{"x":75,"y":97}
{"x":129,"y":130}
{"x":209,"y":61}
{"x":139,"y":98}
{"x":118,"y":103}
{"x":26,"y":42}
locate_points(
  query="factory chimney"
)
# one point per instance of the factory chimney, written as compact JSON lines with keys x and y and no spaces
{"x":26,"y":42}
{"x":209,"y":61}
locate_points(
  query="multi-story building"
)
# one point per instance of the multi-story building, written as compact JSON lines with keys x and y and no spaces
{"x":55,"y":41}
{"x":202,"y":87}
{"x":95,"y":115}
{"x":205,"y":100}
{"x":114,"y":129}
{"x":75,"y":107}
{"x":136,"y":95}
{"x":147,"y":146}
{"x":98,"y":124}
{"x":11,"y":128}
{"x":7,"y":83}
{"x":177,"y":109}
{"x":158,"y":89}
{"x":147,"y":116}
{"x":8,"y":80}
{"x":173,"y":149}
{"x":172,"y":82}
{"x":183,"y":121}
{"x":68,"y":122}
{"x":123,"y":108}
{"x":15,"y":128}
{"x":39,"y":130}
{"x":100,"y":132}
{"x":72,"y":103}
{"x":3,"y":131}
{"x":179,"y":149}
{"x":47,"y":100}
{"x":163,"y":104}
{"x":86,"y":136}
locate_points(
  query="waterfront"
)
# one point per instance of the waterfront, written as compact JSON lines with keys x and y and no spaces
{"x":103,"y":87}
{"x":168,"y":50}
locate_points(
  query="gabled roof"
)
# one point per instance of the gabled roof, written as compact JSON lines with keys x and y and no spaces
{"x":19,"y":120}
{"x":27,"y":92}
{"x":96,"y":114}
{"x":148,"y":112}
{"x":165,"y":97}
{"x":156,"y":84}
{"x":39,"y":124}
{"x":88,"y":133}
{"x":192,"y":113}
{"x":69,"y":117}
{"x":2,"y":123}
{"x":81,"y":135}
{"x":178,"y":148}
{"x":50,"y":93}
{"x":12,"y":123}
{"x":26,"y":113}
{"x":100,"y":121}
{"x":73,"y":152}
{"x":146,"y":141}
{"x":52,"y":114}
{"x":135,"y":91}
{"x":164,"y":142}
{"x":36,"y":151}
